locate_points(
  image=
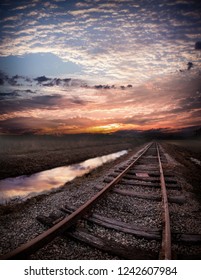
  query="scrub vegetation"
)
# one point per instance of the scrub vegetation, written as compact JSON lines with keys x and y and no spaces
{"x":22,"y":155}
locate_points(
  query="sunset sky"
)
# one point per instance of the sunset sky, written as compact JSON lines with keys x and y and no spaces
{"x":149,"y":44}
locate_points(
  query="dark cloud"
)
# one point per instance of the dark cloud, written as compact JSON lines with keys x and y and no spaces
{"x":190,"y":65}
{"x":198,"y":45}
{"x":5,"y":95}
{"x":36,"y":102}
{"x":77,"y":100}
{"x":42,"y":79}
{"x":3,"y":78}
{"x":196,"y":114}
{"x":189,"y":103}
{"x":136,"y":120}
{"x":78,"y":122}
{"x":48,"y":102}
{"x":32,"y":125}
{"x":21,"y":125}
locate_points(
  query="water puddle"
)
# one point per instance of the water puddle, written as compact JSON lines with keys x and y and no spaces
{"x":23,"y":187}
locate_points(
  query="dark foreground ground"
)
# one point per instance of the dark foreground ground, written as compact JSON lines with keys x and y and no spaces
{"x":183,"y":151}
{"x":29,"y":155}
{"x":24,"y":215}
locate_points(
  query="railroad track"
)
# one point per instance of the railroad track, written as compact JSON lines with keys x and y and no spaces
{"x":142,"y":219}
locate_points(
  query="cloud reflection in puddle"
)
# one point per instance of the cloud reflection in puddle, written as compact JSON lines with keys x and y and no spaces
{"x":23,"y":187}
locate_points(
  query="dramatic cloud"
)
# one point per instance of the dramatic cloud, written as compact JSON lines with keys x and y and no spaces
{"x":152,"y":45}
{"x":132,"y":40}
{"x":170,"y":103}
{"x":38,"y":102}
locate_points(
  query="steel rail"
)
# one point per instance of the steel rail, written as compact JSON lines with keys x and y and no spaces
{"x":25,"y":250}
{"x":166,"y":232}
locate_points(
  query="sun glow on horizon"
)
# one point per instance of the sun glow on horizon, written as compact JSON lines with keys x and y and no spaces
{"x":106,"y":128}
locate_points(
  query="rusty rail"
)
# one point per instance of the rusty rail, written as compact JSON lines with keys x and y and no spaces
{"x":166,"y":232}
{"x":25,"y":250}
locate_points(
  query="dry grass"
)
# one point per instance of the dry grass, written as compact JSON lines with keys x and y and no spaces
{"x":22,"y":155}
{"x":182,"y":151}
{"x":193,"y":145}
